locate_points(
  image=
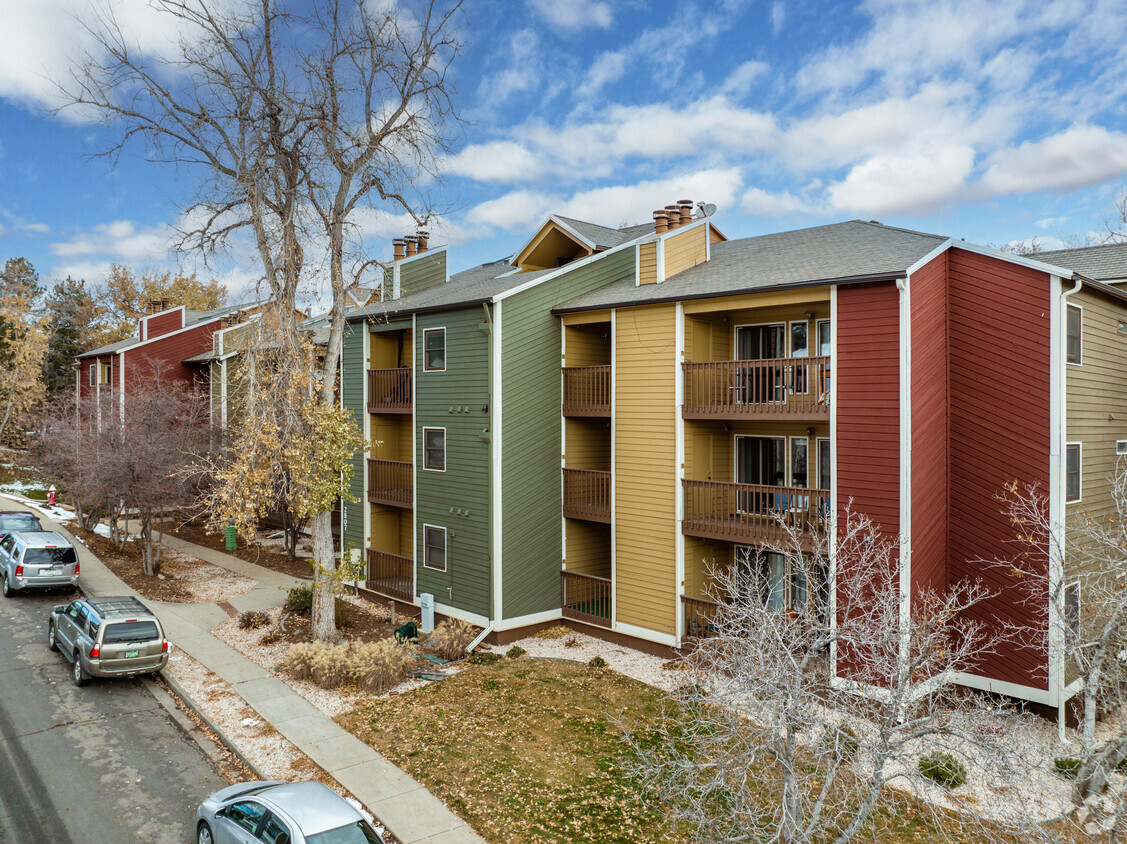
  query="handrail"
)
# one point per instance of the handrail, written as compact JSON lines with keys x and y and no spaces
{"x":586,"y":495}
{"x":389,"y":390}
{"x":700,"y":617}
{"x":390,"y":482}
{"x":586,"y":598}
{"x":772,"y":387}
{"x":390,"y":574}
{"x":752,"y":512}
{"x":586,"y":390}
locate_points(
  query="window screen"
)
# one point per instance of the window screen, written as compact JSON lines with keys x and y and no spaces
{"x":1074,"y":352}
{"x":434,"y":349}
{"x":434,"y":448}
{"x":434,"y":547}
{"x":1072,"y":472}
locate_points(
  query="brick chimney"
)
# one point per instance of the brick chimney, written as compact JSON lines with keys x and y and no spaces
{"x":661,"y":222}
{"x":686,"y":206}
{"x":399,"y":244}
{"x":422,"y":237}
{"x":674,"y":216}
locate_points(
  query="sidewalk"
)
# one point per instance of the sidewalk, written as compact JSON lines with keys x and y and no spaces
{"x":404,"y":806}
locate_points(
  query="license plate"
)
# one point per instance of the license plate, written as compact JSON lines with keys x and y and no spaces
{"x":48,"y":572}
{"x":129,"y":654}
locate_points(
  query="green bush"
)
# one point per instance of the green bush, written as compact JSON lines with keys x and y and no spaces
{"x":943,"y":768}
{"x":597,"y":662}
{"x":1067,"y":767}
{"x":299,"y":601}
{"x":253,"y":619}
{"x":516,"y":651}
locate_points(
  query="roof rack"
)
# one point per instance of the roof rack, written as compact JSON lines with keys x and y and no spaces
{"x":126,"y":605}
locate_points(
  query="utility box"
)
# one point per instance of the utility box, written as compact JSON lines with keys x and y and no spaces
{"x":426,"y":603}
{"x":230,"y":537}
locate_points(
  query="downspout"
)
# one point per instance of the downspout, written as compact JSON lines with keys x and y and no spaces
{"x":494,"y":457}
{"x":1058,"y":670}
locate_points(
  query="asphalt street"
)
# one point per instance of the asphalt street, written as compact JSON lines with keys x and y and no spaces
{"x":102,"y":763}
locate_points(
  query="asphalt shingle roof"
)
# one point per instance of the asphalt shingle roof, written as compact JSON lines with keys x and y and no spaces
{"x":604,"y":237}
{"x":190,"y":318}
{"x":1103,"y":263}
{"x":855,"y":249}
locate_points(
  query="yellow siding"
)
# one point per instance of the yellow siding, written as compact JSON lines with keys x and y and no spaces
{"x":588,"y":444}
{"x":684,"y":250}
{"x":702,"y":557}
{"x":587,"y":345}
{"x":803,"y":296}
{"x":584,"y":317}
{"x":647,"y":263}
{"x":391,"y":437}
{"x":645,"y":470}
{"x":588,"y":547}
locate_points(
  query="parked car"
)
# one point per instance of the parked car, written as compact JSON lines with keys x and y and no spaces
{"x":281,"y":813}
{"x":11,"y":520}
{"x":108,"y":637}
{"x":37,"y":560}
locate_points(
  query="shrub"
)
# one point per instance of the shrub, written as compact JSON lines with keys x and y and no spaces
{"x":299,"y":600}
{"x":597,"y":662}
{"x":484,"y":658}
{"x":516,"y":651}
{"x":253,"y":620}
{"x":1067,"y":767}
{"x":270,"y":637}
{"x":372,"y":666}
{"x":840,"y":743}
{"x":943,"y":768}
{"x":571,"y":643}
{"x":557,"y":632}
{"x":450,"y":638}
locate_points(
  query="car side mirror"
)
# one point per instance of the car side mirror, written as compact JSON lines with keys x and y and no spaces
{"x":219,"y":813}
{"x":60,"y":608}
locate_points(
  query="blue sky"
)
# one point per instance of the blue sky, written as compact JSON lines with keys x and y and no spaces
{"x":992,"y":121}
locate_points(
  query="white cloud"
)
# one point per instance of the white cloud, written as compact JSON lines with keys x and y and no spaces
{"x":778,"y":16}
{"x":895,"y":183}
{"x":514,"y":212}
{"x":1051,"y":221}
{"x":118,"y":241}
{"x":635,"y":203}
{"x":498,"y":161}
{"x":760,"y":203}
{"x":574,"y":15}
{"x":739,"y":80}
{"x":607,"y":68}
{"x":520,"y":74}
{"x":1079,"y":157}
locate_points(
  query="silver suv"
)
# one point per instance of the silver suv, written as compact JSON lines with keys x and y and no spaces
{"x":37,"y":560}
{"x":108,"y":637}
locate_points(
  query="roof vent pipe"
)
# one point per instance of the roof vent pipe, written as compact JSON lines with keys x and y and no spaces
{"x":686,"y":206}
{"x":674,"y":214}
{"x":661,"y":222}
{"x":412,"y":245}
{"x":399,"y":244}
{"x":422,"y":237}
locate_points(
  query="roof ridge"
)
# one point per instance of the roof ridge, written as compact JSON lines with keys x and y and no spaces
{"x":879,"y":224}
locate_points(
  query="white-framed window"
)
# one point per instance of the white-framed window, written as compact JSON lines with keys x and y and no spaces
{"x":93,"y":374}
{"x":105,"y":371}
{"x":1072,"y":609}
{"x":823,"y":463}
{"x":800,"y":461}
{"x":434,"y":547}
{"x":434,"y":349}
{"x":1074,"y":331}
{"x":434,"y":449}
{"x":824,"y":337}
{"x":1120,"y":447}
{"x":1072,"y":461}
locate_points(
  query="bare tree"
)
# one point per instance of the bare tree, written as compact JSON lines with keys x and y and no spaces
{"x":800,"y":714}
{"x":294,"y":121}
{"x":71,"y":449}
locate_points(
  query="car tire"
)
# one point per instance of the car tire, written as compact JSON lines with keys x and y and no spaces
{"x":7,"y":590}
{"x":203,"y":834}
{"x":51,"y":643}
{"x":78,"y":673}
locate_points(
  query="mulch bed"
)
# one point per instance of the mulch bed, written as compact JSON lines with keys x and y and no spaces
{"x":357,"y":626}
{"x":260,"y":555}
{"x":127,"y":565}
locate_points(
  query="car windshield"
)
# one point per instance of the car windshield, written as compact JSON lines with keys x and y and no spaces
{"x":39,"y":556}
{"x":356,"y":833}
{"x":129,"y":631}
{"x":19,"y":523}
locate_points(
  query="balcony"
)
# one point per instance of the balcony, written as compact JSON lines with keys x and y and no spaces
{"x":700,"y":617}
{"x":586,"y":598}
{"x":586,"y":391}
{"x":389,"y":390}
{"x":776,"y":388}
{"x":390,"y":482}
{"x":391,"y":575}
{"x":753,"y":514}
{"x":586,"y":495}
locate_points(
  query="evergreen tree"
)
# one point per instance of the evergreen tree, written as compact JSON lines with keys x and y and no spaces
{"x":70,"y":310}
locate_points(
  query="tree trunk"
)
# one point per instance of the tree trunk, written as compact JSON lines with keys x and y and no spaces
{"x":324,"y":563}
{"x":147,"y":545}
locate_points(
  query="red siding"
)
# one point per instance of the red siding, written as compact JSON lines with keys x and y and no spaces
{"x":163,"y":323}
{"x":930,"y":482}
{"x":170,"y":351}
{"x":999,"y":421}
{"x":867,"y":383}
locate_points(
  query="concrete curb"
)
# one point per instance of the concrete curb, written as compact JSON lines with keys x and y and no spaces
{"x":227,"y":743}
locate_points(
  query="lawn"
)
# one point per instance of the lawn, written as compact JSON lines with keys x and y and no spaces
{"x":526,"y":750}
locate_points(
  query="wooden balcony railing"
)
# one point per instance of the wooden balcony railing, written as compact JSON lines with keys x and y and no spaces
{"x":391,"y":575}
{"x":795,"y":388}
{"x":586,"y":495}
{"x":390,"y":482}
{"x":389,"y":390}
{"x":586,"y":391}
{"x":700,"y":617}
{"x":586,"y":598}
{"x":751,"y":513}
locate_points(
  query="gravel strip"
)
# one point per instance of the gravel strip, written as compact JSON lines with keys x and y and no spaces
{"x":206,"y":583}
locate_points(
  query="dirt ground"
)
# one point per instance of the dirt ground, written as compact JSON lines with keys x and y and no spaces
{"x":126,"y":565}
{"x":261,"y":555}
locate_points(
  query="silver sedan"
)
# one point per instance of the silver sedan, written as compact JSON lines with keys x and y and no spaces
{"x":277,"y":812}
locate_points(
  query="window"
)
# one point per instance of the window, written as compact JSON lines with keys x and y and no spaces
{"x":434,"y":547}
{"x":434,"y":449}
{"x":1074,"y":347}
{"x":274,"y":831}
{"x":434,"y":349}
{"x":104,"y":370}
{"x":246,"y":814}
{"x":130,"y":631}
{"x":1072,"y":472}
{"x":823,"y":463}
{"x":1072,"y":609}
{"x":823,"y":337}
{"x":1121,"y":447}
{"x":93,"y":376}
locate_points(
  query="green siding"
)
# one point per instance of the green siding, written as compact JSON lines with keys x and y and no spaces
{"x":419,"y":274}
{"x":352,"y":393}
{"x":457,"y":499}
{"x":530,"y":431}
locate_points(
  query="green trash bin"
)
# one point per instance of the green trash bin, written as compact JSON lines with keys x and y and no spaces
{"x":231,"y":535}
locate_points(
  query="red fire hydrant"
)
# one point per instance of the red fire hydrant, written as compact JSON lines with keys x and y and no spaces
{"x":51,"y":495}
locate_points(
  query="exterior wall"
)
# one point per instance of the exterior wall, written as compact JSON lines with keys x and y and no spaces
{"x":588,"y":548}
{"x":645,"y":468}
{"x":422,"y":272}
{"x":169,"y":351}
{"x":530,"y":420}
{"x":588,"y":345}
{"x":352,"y":374}
{"x":930,"y":422}
{"x":867,"y":382}
{"x":1000,"y":425}
{"x":588,"y":443}
{"x":459,"y":498}
{"x":685,"y":249}
{"x":647,"y":263}
{"x":163,"y":323}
